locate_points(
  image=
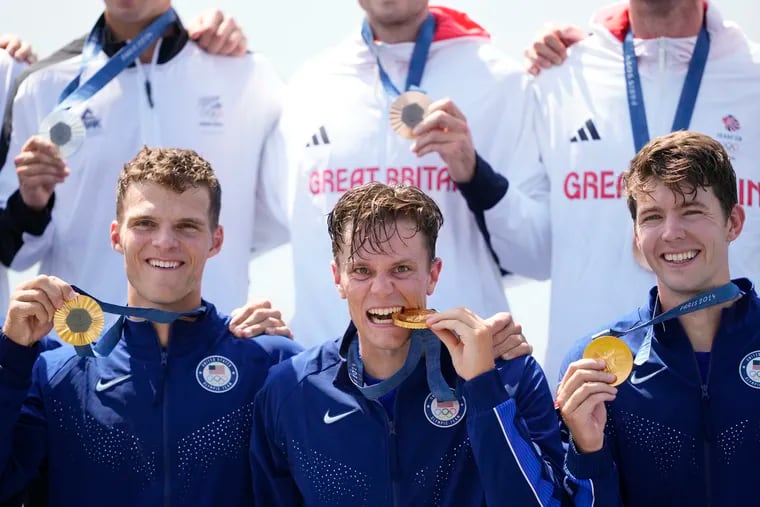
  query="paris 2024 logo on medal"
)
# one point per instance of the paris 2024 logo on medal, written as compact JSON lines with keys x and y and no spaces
{"x":444,"y":414}
{"x":749,"y":369}
{"x":216,"y":374}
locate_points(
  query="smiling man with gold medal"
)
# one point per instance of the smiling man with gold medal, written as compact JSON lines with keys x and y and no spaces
{"x":158,"y":409}
{"x":663,"y":405}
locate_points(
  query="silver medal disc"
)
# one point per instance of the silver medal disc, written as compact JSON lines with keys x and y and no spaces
{"x":65,"y":130}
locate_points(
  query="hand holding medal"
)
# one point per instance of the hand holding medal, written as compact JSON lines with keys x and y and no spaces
{"x":444,"y":131}
{"x":39,"y":169}
{"x":617,"y":357}
{"x":32,"y":307}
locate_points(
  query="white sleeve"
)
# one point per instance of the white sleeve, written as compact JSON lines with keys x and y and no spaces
{"x":519,"y":224}
{"x":270,"y":227}
{"x":24,"y":124}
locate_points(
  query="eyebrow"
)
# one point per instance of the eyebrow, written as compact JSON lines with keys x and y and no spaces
{"x":153,"y":217}
{"x":685,"y":204}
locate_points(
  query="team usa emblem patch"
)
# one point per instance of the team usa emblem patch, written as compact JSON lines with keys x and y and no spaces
{"x":749,"y":369}
{"x":216,"y":374}
{"x":444,"y":414}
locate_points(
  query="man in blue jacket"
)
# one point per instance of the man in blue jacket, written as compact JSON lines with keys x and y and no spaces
{"x":684,"y":428}
{"x":165,"y":418}
{"x":364,"y":420}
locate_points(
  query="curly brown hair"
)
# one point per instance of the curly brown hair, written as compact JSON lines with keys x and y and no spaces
{"x":175,"y":169}
{"x":371,"y":212}
{"x":685,"y":162}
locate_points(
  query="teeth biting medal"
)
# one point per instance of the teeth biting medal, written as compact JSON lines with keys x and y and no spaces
{"x":413,"y":318}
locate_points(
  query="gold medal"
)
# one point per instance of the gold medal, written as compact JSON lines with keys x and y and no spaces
{"x":407,"y":111}
{"x":79,"y":321}
{"x":615,"y":353}
{"x":412,"y":319}
{"x":64,"y":129}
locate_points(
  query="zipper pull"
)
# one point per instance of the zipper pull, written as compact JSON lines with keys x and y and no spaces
{"x":149,"y":93}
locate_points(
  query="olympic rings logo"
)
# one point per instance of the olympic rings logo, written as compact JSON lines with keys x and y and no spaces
{"x":754,"y":375}
{"x":445,"y":412}
{"x":215,"y":378}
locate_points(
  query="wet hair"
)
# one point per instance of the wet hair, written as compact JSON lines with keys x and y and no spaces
{"x":685,"y":162}
{"x":371,"y":212}
{"x":174,"y":169}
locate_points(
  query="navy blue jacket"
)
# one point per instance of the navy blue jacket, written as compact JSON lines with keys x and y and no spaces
{"x":318,"y":441}
{"x":143,"y":426}
{"x":672,"y":439}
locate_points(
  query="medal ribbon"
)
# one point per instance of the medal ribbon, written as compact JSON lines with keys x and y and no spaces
{"x":716,"y":296}
{"x":422,"y":342}
{"x":74,"y":93}
{"x":417,"y":63}
{"x":689,"y":91}
{"x":110,"y":338}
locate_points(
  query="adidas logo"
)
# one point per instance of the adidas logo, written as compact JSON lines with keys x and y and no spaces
{"x":586,"y":132}
{"x":319,"y":136}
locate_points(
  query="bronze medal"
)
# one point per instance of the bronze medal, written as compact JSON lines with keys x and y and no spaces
{"x":615,"y":353}
{"x":407,"y":111}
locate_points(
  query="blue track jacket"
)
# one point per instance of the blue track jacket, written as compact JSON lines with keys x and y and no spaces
{"x":670,"y":438}
{"x":318,"y":441}
{"x":143,"y":426}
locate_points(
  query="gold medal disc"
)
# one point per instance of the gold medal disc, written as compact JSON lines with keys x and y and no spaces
{"x":79,"y":321}
{"x":615,"y":353}
{"x":407,"y":111}
{"x":412,"y":318}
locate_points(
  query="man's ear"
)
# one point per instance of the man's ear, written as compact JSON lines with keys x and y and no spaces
{"x":435,"y":272}
{"x":217,"y":238}
{"x":336,"y":279}
{"x":736,"y":222}
{"x":116,"y":237}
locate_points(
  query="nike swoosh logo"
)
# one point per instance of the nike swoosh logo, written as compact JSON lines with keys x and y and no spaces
{"x":329,"y":419}
{"x":636,"y":380}
{"x":102,"y":386}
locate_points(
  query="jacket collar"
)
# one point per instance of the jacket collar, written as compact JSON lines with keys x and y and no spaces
{"x":186,"y":336}
{"x":343,"y":382}
{"x":732,"y":317}
{"x":171,"y":44}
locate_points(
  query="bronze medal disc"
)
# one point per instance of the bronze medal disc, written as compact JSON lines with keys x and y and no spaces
{"x":615,"y":353}
{"x":407,"y":111}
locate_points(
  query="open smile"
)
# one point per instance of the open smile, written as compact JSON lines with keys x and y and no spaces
{"x":383,"y":315}
{"x":680,"y":258}
{"x":165,"y":264}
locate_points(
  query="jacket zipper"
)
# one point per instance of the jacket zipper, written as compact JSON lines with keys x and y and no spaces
{"x":706,"y":429}
{"x":165,"y":410}
{"x":390,"y":424}
{"x":394,"y":463}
